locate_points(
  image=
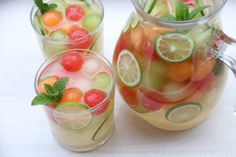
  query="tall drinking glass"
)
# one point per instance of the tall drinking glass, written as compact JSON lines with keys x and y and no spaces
{"x":83,"y":118}
{"x":72,"y":24}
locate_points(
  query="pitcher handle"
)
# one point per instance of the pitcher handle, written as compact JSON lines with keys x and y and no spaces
{"x":222,"y":44}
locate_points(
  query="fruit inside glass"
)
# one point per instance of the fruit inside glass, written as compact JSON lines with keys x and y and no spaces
{"x":68,"y":24}
{"x":81,"y":119}
{"x":169,"y":61}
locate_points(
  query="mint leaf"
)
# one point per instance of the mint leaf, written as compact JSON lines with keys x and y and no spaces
{"x":44,"y":7}
{"x":182,"y":11}
{"x":42,"y":99}
{"x":60,"y":85}
{"x":53,"y":93}
{"x":168,"y":17}
{"x":196,"y":11}
{"x":198,"y":3}
{"x":50,"y":90}
{"x":52,"y":6}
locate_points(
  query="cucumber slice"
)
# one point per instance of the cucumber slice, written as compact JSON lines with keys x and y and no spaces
{"x":135,"y":21}
{"x":96,"y":42}
{"x":183,"y":113}
{"x":72,"y":115}
{"x":142,"y":3}
{"x":38,"y":24}
{"x":103,"y":129}
{"x":128,"y":23}
{"x":201,"y":35}
{"x":219,"y":68}
{"x":150,"y":4}
{"x":132,"y":22}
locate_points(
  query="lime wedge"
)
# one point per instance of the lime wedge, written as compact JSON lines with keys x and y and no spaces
{"x":72,"y":115}
{"x":128,"y":69}
{"x":184,"y":112}
{"x":174,"y":47}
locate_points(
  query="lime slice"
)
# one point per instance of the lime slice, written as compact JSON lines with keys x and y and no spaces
{"x":174,"y":47}
{"x":184,"y":112}
{"x":104,"y":129}
{"x":72,"y":115}
{"x":201,"y":35}
{"x":128,"y":69}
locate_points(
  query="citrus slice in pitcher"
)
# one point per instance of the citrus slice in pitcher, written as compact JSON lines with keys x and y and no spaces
{"x":128,"y":69}
{"x":174,"y":47}
{"x":184,"y":112}
{"x":72,"y":115}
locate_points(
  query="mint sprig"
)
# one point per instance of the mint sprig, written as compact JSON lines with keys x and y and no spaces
{"x":44,"y":7}
{"x":53,"y":93}
{"x":182,"y":12}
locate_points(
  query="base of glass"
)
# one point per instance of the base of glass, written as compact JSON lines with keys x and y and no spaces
{"x":87,"y":148}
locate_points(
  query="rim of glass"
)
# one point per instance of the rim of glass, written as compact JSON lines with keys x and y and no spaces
{"x":35,"y":8}
{"x":177,"y":24}
{"x":85,"y":51}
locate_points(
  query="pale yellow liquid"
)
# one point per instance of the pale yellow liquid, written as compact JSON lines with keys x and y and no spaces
{"x":159,"y":120}
{"x":83,"y":139}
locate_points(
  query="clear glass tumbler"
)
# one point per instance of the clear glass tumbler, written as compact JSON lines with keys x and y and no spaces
{"x":79,"y":127}
{"x":86,"y":33}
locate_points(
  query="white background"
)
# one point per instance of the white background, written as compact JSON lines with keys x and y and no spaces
{"x":24,"y":131}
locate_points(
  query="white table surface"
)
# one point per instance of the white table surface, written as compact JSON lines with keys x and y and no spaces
{"x":24,"y":130}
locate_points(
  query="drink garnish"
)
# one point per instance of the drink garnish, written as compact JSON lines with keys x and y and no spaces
{"x":44,"y":7}
{"x":183,"y":13}
{"x":53,"y":94}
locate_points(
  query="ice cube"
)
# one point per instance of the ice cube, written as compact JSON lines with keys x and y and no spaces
{"x":91,"y":66}
{"x":82,"y":83}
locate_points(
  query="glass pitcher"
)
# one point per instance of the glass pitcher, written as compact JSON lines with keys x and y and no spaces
{"x":172,"y":73}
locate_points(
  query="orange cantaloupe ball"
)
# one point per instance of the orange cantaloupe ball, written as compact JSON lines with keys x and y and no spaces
{"x":72,"y":95}
{"x":51,"y":18}
{"x":180,"y":72}
{"x":50,"y":80}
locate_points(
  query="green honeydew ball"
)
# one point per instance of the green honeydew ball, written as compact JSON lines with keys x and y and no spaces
{"x":91,"y":22}
{"x":52,"y":47}
{"x":102,"y":81}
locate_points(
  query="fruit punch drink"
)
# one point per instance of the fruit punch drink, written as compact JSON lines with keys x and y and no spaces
{"x":166,"y":72}
{"x":76,"y":88}
{"x":68,"y":24}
